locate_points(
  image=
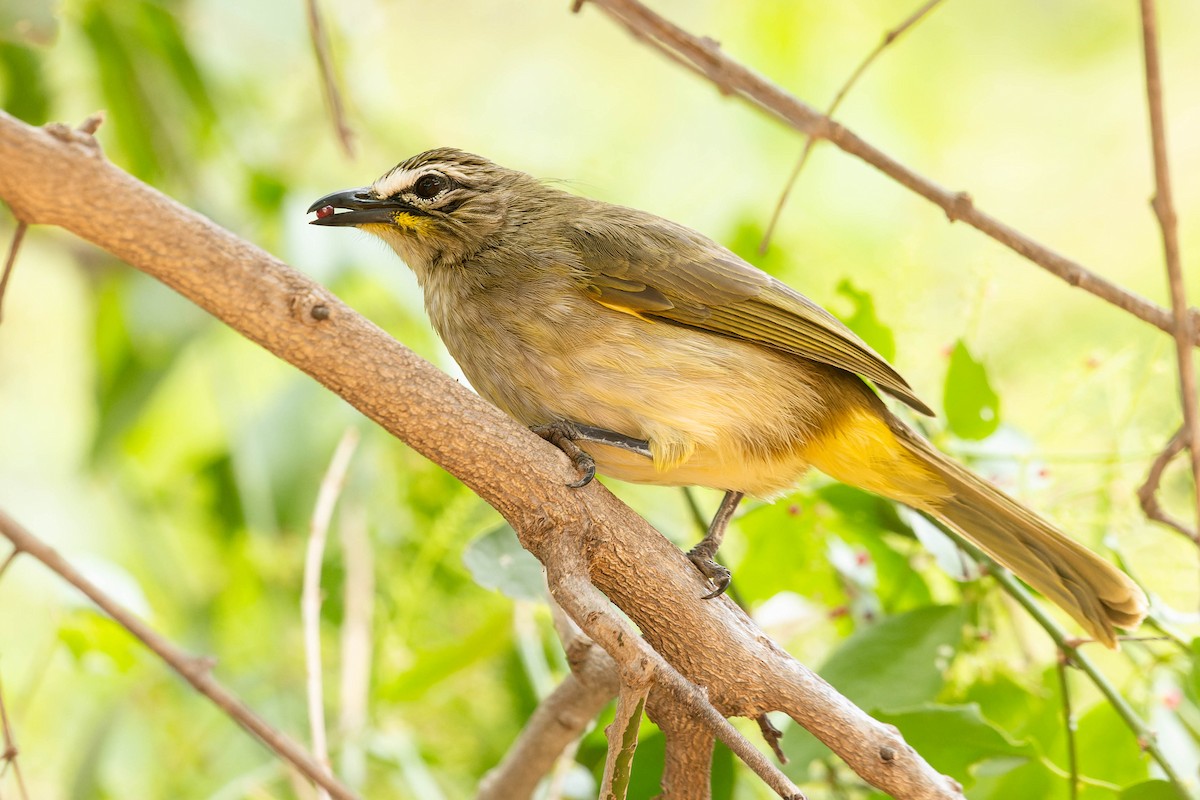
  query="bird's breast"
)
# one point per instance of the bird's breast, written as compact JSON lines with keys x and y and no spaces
{"x":717,"y":411}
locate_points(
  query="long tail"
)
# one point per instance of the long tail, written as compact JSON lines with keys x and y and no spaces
{"x":896,"y":462}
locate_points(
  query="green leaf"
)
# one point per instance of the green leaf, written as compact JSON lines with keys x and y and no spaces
{"x":865,"y":323}
{"x":723,"y":773}
{"x":972,"y":406}
{"x":1033,"y":779}
{"x":1108,"y":750}
{"x":1194,"y":685}
{"x":898,"y":663}
{"x":497,"y":561}
{"x":645,"y":778}
{"x":23,"y":83}
{"x":1151,"y":790}
{"x":436,"y":664}
{"x":156,"y":28}
{"x":955,"y":738}
{"x":623,"y":765}
{"x":93,"y":640}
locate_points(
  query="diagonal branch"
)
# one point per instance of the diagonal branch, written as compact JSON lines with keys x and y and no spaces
{"x":585,"y":537}
{"x":329,"y":81}
{"x":1164,"y":209}
{"x":196,"y":671}
{"x":560,"y":719}
{"x":703,"y":56}
{"x":810,"y":141}
{"x":10,"y":261}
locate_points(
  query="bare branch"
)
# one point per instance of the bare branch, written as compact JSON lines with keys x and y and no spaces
{"x":310,"y":597}
{"x":810,"y":141}
{"x":1064,"y":689}
{"x":13,"y":249}
{"x":196,"y":671}
{"x":1148,"y":492}
{"x":687,"y":766}
{"x":559,"y":720}
{"x":771,"y":735}
{"x":358,"y":599}
{"x":1164,"y":209}
{"x":329,"y":81}
{"x":622,"y":740}
{"x":703,"y":56}
{"x":8,"y":758}
{"x":9,"y":559}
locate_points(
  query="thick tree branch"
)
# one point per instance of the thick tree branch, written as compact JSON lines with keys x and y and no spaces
{"x":583,"y":536}
{"x":704,"y":56}
{"x":687,"y":765}
{"x":560,"y":719}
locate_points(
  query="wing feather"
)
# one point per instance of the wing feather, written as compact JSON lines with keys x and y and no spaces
{"x":634,"y":265}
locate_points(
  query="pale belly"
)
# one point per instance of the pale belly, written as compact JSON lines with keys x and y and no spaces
{"x":717,"y":412}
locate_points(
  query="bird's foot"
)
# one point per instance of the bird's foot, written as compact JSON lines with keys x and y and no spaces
{"x":718,"y":575}
{"x":565,"y":435}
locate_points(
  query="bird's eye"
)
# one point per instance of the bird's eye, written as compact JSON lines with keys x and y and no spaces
{"x":430,"y":186}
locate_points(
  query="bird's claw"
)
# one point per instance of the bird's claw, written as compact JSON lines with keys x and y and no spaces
{"x":714,"y":572}
{"x":586,"y":465}
{"x":562,"y":435}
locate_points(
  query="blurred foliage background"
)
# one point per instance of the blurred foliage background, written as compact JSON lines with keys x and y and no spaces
{"x":178,"y":464}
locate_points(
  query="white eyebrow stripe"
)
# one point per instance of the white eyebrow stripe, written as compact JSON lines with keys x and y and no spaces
{"x":395,"y":182}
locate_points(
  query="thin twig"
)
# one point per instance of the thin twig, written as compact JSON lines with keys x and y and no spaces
{"x":9,"y":756}
{"x":18,"y":235}
{"x":703,"y":56}
{"x":810,"y":140}
{"x":9,"y":560}
{"x":310,"y":598}
{"x":1064,"y":689}
{"x":588,"y":607}
{"x":1164,"y":209}
{"x":1148,"y":492}
{"x":333,"y":95}
{"x":622,"y":741}
{"x":1071,"y":647}
{"x":772,"y":736}
{"x":196,"y":671}
{"x":358,"y":600}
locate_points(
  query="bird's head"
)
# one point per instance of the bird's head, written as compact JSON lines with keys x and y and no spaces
{"x":435,"y":209}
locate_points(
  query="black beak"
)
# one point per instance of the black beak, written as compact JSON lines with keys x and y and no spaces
{"x":355,"y":207}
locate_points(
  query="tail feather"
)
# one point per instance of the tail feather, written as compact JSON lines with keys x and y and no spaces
{"x":1097,"y":594}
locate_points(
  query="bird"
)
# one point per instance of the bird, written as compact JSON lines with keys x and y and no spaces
{"x":650,"y":353}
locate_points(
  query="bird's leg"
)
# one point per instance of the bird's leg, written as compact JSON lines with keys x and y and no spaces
{"x":702,"y":554}
{"x":565,"y":435}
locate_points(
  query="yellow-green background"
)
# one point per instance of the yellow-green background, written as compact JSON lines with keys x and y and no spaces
{"x":178,"y":464}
